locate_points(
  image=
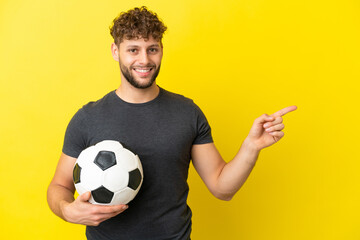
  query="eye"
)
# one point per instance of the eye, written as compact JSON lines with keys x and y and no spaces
{"x":132,"y":50}
{"x":153,"y":50}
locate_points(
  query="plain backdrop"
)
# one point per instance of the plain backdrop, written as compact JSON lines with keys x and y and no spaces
{"x":237,"y":60}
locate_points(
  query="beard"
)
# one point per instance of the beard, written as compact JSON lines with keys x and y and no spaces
{"x":130,"y":78}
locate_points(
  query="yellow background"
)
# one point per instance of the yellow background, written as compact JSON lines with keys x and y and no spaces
{"x":237,"y":60}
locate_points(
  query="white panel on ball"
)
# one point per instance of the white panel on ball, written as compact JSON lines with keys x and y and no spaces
{"x":80,"y":189}
{"x":86,"y":156}
{"x":126,"y":159}
{"x":124,"y":196}
{"x":115,"y":178}
{"x":91,"y":176}
{"x":108,"y":145}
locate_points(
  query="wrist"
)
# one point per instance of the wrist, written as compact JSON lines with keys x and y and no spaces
{"x":63,"y":207}
{"x":250,"y":146}
{"x":250,"y":152}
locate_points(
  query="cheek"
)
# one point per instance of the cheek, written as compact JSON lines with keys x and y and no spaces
{"x":126,"y":62}
{"x":157,"y":60}
{"x":125,"y":57}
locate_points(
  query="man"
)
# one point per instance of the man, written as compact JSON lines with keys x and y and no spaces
{"x":165,"y":129}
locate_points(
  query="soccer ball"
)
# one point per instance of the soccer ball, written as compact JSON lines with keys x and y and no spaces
{"x":112,"y":173}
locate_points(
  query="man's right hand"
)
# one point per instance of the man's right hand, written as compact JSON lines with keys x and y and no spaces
{"x":81,"y":211}
{"x":60,"y":196}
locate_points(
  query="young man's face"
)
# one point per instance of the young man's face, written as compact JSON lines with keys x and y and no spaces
{"x":140,"y":61}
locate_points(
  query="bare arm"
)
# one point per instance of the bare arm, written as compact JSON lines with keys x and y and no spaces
{"x":61,"y":189}
{"x":60,"y":197}
{"x":225,"y":179}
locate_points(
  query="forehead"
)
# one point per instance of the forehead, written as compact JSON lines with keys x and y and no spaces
{"x":140,"y":42}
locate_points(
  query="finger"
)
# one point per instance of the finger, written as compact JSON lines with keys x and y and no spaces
{"x":278,"y":134}
{"x":101,"y":216}
{"x":112,"y":214}
{"x":277,"y":127}
{"x":85,"y":197}
{"x":273,"y":123}
{"x":264,"y":118}
{"x":111,"y":209}
{"x":284,"y":111}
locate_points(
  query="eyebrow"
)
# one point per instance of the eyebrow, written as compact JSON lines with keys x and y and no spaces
{"x":153,"y":45}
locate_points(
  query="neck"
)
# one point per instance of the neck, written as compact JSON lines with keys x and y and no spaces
{"x":131,"y":94}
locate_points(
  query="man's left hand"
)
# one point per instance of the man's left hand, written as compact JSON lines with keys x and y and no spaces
{"x":266,"y":129}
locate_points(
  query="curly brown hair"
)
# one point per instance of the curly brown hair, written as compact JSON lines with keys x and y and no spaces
{"x":137,"y":23}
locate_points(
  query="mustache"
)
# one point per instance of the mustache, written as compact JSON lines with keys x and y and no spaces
{"x":144,"y":66}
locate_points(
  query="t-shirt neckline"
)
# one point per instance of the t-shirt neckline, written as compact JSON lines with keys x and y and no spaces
{"x":138,"y":104}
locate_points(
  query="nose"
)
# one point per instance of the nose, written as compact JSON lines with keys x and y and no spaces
{"x":143,"y":58}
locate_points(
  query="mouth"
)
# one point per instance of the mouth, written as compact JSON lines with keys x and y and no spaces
{"x":143,"y":72}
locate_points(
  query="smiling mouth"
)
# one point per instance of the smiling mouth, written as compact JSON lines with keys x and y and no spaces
{"x":142,"y":70}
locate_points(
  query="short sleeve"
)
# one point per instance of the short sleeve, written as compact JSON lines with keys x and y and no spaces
{"x":203,"y":128}
{"x":75,"y":135}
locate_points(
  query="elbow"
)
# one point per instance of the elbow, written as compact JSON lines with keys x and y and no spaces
{"x":227,"y":198}
{"x":224,"y":196}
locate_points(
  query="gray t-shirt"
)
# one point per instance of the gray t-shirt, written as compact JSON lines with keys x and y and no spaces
{"x":161,"y":132}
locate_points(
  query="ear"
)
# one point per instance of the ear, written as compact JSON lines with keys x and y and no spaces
{"x":115,"y":52}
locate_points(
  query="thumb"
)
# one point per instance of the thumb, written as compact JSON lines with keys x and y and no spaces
{"x":257,"y":128}
{"x":264,"y":118}
{"x":85,"y":197}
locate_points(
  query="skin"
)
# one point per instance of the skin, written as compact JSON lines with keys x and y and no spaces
{"x":225,"y":179}
{"x":222,"y":179}
{"x":138,"y":54}
{"x":61,"y":200}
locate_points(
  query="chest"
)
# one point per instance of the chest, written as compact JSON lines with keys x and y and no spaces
{"x":162,"y":137}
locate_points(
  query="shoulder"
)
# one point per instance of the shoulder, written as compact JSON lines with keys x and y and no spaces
{"x":177,"y":99}
{"x":182,"y":103}
{"x":95,"y":106}
{"x":92,"y":109}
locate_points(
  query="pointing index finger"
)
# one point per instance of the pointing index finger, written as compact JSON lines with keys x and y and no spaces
{"x":284,"y":111}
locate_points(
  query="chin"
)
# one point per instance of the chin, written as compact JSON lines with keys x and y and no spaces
{"x":142,"y":84}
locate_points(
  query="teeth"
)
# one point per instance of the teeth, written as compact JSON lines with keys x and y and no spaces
{"x":142,"y":70}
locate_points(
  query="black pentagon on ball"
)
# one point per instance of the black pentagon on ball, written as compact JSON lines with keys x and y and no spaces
{"x":134,"y":179}
{"x":105,"y":159}
{"x":102,"y":195}
{"x":76,"y":173}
